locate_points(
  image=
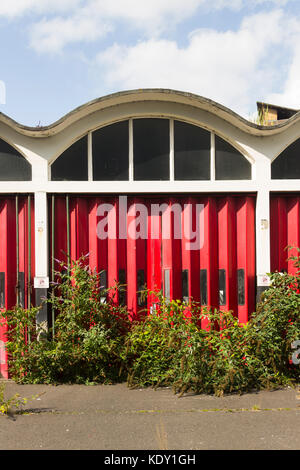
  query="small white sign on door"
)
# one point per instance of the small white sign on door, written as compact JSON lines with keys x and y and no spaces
{"x":41,"y":282}
{"x":263,"y":280}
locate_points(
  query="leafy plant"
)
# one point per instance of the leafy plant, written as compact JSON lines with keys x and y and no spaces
{"x":171,"y":347}
{"x":177,"y":344}
{"x":83,"y":344}
{"x":9,"y":405}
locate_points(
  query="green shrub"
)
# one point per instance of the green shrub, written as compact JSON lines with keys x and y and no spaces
{"x":153,"y":346}
{"x":83,"y":344}
{"x":171,"y":348}
{"x":93,"y":341}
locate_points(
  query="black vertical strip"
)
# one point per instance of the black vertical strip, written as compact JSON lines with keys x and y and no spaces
{"x":2,"y":290}
{"x":203,"y":286}
{"x":241,"y":286}
{"x":103,"y":286}
{"x":185,"y":285}
{"x":222,"y":287}
{"x":21,"y":290}
{"x":123,"y":290}
{"x":140,"y":287}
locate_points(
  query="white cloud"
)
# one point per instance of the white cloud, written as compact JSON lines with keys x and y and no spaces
{"x":132,"y":9}
{"x":13,"y":8}
{"x":233,"y":67}
{"x":95,"y":18}
{"x":290,"y":95}
{"x":81,"y":19}
{"x":228,"y":67}
{"x":51,"y":36}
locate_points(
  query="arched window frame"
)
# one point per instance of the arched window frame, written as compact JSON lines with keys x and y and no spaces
{"x":171,"y":120}
{"x":61,"y":151}
{"x":288,"y":144}
{"x":242,"y":151}
{"x":13,"y":146}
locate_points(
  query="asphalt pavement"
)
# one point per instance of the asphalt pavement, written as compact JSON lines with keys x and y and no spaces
{"x":114,"y":417}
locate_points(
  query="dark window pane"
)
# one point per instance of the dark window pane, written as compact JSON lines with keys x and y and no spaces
{"x":191,"y":152}
{"x":103,"y":279}
{"x":241,"y":286}
{"x":123,"y":288}
{"x":21,"y":290}
{"x":103,"y":285}
{"x":230,"y":163}
{"x":13,"y":166}
{"x":203,"y":286}
{"x":222,"y":287}
{"x":72,"y":165}
{"x":2,"y":290}
{"x":151,"y":141}
{"x":110,"y":152}
{"x":141,"y":287}
{"x":185,"y":285}
{"x":287,"y":164}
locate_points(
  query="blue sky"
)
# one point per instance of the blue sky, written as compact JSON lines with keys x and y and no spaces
{"x":59,"y":54}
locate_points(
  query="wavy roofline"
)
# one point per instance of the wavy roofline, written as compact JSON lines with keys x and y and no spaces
{"x":149,"y":94}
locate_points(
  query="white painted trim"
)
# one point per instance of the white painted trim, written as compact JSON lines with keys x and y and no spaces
{"x":116,"y":187}
{"x":263,"y":253}
{"x":41,"y":235}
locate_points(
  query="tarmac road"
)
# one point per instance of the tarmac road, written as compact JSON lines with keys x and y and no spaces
{"x":106,"y":417}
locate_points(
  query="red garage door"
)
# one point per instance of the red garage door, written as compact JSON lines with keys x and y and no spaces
{"x":200,"y":247}
{"x":16,"y":259}
{"x":285,"y":230}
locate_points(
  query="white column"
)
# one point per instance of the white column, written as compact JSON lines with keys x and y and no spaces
{"x":263,"y":264}
{"x":41,"y":237}
{"x":41,"y":280}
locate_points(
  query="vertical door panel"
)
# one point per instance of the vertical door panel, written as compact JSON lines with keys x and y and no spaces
{"x":209,"y":280}
{"x":284,"y":231}
{"x":16,"y":260}
{"x":227,"y":255}
{"x":245,"y":258}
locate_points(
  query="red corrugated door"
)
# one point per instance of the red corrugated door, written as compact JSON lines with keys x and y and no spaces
{"x":16,"y":260}
{"x":199,"y":247}
{"x":284,"y":231}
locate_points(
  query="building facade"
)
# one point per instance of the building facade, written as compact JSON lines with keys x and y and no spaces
{"x":158,"y":188}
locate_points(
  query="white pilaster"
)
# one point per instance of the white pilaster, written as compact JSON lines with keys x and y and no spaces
{"x":41,"y":240}
{"x":263,"y":237}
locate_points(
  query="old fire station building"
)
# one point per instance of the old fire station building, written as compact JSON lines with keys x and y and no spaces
{"x":133,"y":151}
